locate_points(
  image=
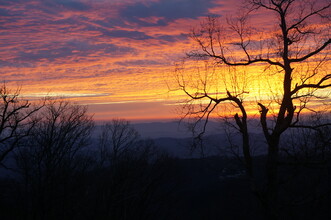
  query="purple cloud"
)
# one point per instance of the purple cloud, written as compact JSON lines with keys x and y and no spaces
{"x":168,"y":10}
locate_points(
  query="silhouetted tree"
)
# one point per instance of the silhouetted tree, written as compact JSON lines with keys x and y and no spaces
{"x":296,"y":49}
{"x":134,"y":178}
{"x":116,"y":139}
{"x":51,"y":160}
{"x":16,"y":120}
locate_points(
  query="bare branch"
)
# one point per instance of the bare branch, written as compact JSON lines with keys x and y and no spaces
{"x":16,"y":120}
{"x":311,"y":53}
{"x":222,"y":60}
{"x":259,"y":4}
{"x":263,"y":119}
{"x":316,"y":12}
{"x":318,"y":85}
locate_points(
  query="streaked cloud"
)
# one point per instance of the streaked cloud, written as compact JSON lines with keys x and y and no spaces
{"x":160,"y":13}
{"x":100,"y":51}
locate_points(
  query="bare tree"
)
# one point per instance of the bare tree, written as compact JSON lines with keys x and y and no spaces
{"x":16,"y":120}
{"x":51,"y":156}
{"x":116,"y":139}
{"x":296,"y":50}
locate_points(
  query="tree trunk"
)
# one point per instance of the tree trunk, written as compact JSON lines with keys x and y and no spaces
{"x":272,"y":203}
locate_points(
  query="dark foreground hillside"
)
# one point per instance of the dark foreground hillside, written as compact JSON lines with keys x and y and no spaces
{"x":166,"y":188}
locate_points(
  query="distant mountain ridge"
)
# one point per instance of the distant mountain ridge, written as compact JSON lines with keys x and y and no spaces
{"x":176,"y":139}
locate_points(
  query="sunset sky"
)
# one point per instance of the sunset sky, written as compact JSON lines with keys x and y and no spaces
{"x":113,"y":55}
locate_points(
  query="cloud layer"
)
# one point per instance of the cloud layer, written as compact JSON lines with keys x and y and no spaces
{"x":106,"y":50}
{"x":121,"y":48}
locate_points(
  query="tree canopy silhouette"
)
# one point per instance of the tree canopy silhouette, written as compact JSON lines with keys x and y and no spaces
{"x":16,"y":120}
